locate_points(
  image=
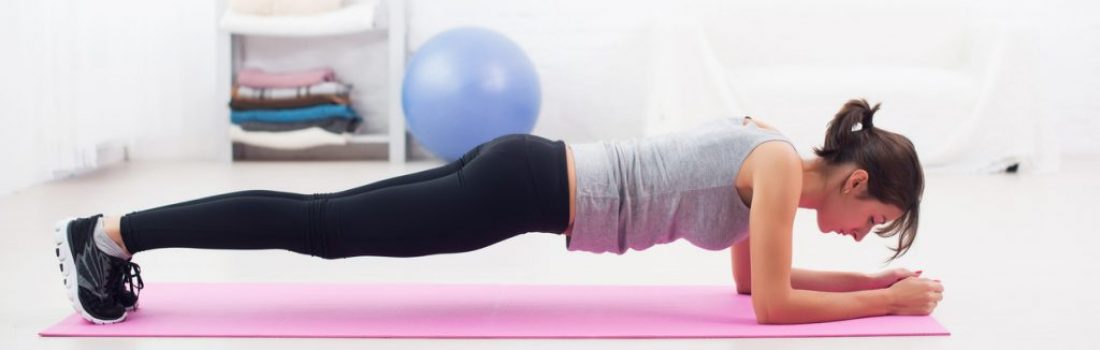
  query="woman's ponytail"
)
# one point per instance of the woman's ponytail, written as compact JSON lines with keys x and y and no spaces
{"x":840,"y":138}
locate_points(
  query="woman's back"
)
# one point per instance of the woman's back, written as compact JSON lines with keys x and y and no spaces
{"x":636,"y":193}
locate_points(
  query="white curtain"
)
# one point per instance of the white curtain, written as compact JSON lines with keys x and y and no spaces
{"x":82,"y":79}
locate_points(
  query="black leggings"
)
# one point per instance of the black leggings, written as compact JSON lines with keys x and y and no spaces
{"x":511,"y":185}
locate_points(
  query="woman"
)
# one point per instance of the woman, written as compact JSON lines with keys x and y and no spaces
{"x":718,"y":186}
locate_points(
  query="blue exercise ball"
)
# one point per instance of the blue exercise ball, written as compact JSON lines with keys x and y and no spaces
{"x":467,"y":86}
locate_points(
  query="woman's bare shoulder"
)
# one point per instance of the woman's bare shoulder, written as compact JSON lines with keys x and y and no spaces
{"x":775,"y":152}
{"x":771,"y":159}
{"x":772,"y":156}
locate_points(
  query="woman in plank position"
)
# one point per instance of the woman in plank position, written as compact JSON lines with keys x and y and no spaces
{"x":721,"y":185}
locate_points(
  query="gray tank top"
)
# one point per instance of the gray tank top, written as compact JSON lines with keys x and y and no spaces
{"x":641,"y":192}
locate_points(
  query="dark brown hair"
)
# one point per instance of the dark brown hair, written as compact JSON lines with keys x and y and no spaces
{"x":894,"y":172}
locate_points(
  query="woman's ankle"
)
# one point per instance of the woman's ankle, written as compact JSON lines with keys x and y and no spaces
{"x":113,"y":226}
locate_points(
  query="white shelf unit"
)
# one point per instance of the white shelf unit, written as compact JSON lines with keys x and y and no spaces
{"x":353,"y":18}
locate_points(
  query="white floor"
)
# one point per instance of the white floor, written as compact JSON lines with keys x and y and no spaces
{"x":1016,"y":253}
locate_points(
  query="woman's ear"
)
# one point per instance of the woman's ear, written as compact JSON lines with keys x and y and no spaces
{"x":857,"y":179}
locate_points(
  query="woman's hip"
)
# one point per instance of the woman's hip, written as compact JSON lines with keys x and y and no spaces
{"x":528,"y":166}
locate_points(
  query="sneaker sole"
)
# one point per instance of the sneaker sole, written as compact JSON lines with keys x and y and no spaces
{"x":68,"y":266}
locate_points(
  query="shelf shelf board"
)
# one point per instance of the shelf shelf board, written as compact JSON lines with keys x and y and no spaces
{"x":354,"y":17}
{"x":368,"y":138}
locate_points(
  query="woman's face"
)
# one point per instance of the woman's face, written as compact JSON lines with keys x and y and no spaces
{"x":845,"y":213}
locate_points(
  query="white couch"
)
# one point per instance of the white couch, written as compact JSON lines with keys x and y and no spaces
{"x":959,"y":84}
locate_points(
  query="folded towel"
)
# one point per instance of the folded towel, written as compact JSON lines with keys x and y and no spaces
{"x":293,"y":115}
{"x":298,"y":139}
{"x":283,"y":7}
{"x":244,"y":104}
{"x":333,"y":125}
{"x":325,"y":88}
{"x":256,"y":78}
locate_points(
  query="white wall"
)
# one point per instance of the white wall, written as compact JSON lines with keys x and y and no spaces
{"x":571,"y":43}
{"x":147,"y":70}
{"x":79,"y":76}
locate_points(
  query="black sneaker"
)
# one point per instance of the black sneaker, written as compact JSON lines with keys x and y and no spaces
{"x":127,"y":289}
{"x":92,"y":278}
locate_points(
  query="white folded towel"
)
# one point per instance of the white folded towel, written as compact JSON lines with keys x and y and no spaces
{"x":297,"y":139}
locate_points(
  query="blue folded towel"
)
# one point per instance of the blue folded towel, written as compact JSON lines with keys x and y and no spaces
{"x":293,"y":114}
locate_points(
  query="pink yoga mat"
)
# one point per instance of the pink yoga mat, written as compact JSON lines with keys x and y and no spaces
{"x":462,"y":311}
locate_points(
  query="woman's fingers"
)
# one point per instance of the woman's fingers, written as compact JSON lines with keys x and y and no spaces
{"x":903,"y":273}
{"x":937,"y":286}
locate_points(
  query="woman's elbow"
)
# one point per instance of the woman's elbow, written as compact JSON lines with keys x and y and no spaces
{"x":769,"y":318}
{"x":743,"y":285}
{"x":769,"y":312}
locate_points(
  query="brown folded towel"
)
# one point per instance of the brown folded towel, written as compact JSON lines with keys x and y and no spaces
{"x":244,"y":104}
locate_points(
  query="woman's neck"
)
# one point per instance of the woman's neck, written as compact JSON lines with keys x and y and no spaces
{"x":817,"y":179}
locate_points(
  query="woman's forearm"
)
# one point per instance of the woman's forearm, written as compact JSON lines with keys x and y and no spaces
{"x":828,"y":281}
{"x":807,"y":306}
